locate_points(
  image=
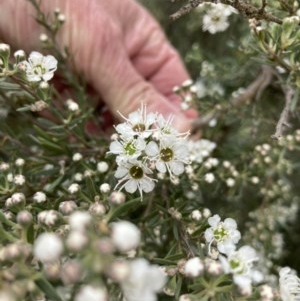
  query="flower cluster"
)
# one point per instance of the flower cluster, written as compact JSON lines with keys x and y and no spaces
{"x":146,"y":143}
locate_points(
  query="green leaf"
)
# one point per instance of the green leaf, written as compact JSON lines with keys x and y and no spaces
{"x":48,"y":289}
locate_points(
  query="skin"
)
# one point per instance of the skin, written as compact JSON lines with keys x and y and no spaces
{"x":117,"y":45}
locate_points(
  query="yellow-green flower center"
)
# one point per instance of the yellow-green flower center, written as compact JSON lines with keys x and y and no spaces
{"x":221,"y":233}
{"x":39,"y":69}
{"x":130,"y":148}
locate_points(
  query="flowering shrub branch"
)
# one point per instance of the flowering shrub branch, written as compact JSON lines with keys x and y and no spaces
{"x":148,"y":213}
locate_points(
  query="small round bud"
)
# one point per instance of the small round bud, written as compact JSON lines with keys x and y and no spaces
{"x":44,"y":38}
{"x":24,"y":218}
{"x":193,"y":267}
{"x":71,"y":272}
{"x":80,"y":220}
{"x":76,"y":241}
{"x":117,"y":198}
{"x":67,"y":207}
{"x":19,"y":180}
{"x":77,"y":157}
{"x":102,"y":167}
{"x":105,"y":188}
{"x":4,"y":52}
{"x":20,"y":55}
{"x":39,"y":197}
{"x":20,"y":162}
{"x":125,"y":236}
{"x":49,"y":218}
{"x":47,"y":247}
{"x":73,"y":188}
{"x":97,"y":209}
{"x":44,"y":86}
{"x":61,"y":18}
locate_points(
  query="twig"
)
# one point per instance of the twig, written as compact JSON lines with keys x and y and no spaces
{"x":245,"y":9}
{"x":283,"y":121}
{"x":253,"y":91}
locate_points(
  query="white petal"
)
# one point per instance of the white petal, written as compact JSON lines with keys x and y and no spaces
{"x":121,"y":172}
{"x":230,"y":223}
{"x":209,"y":235}
{"x":152,"y":149}
{"x":147,"y":185}
{"x":35,"y":58}
{"x":131,"y":186}
{"x":116,"y":147}
{"x":161,"y":167}
{"x":177,"y":167}
{"x":50,"y":62}
{"x":214,"y":220}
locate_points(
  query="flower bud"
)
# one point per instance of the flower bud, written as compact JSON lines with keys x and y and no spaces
{"x":24,"y":218}
{"x":20,"y":55}
{"x":117,"y":198}
{"x":4,"y":53}
{"x":105,"y":188}
{"x":97,"y":209}
{"x":71,"y":272}
{"x":67,"y":207}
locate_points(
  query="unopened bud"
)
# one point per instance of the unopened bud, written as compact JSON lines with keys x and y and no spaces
{"x":24,"y":218}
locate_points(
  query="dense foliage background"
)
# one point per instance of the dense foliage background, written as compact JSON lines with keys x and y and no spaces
{"x":246,"y":88}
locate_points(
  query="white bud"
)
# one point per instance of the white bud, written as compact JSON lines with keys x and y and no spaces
{"x":80,"y":220}
{"x":77,"y":157}
{"x":102,"y":167}
{"x":73,"y":188}
{"x":39,"y":197}
{"x":193,"y":267}
{"x":76,"y":241}
{"x":105,"y":188}
{"x":117,"y":198}
{"x":48,"y":247}
{"x":125,"y":236}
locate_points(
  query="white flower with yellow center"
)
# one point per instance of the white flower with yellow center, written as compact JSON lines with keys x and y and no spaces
{"x":138,"y":123}
{"x":240,"y":264}
{"x":224,"y":234}
{"x":39,"y":67}
{"x":170,"y":154}
{"x":134,"y":176}
{"x":127,"y":149}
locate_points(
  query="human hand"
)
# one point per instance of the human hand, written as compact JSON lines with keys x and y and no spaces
{"x":118,"y":47}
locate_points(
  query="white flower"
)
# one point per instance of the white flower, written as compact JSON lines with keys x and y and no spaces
{"x":143,"y":282}
{"x":289,"y":285}
{"x":225,"y":234}
{"x":125,"y":236}
{"x":169,"y":155}
{"x":91,"y":293}
{"x":47,"y":247}
{"x":138,"y":123}
{"x":39,"y":67}
{"x":135,"y":177}
{"x":240,"y":264}
{"x":193,"y":267}
{"x":127,"y":149}
{"x":216,"y":19}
